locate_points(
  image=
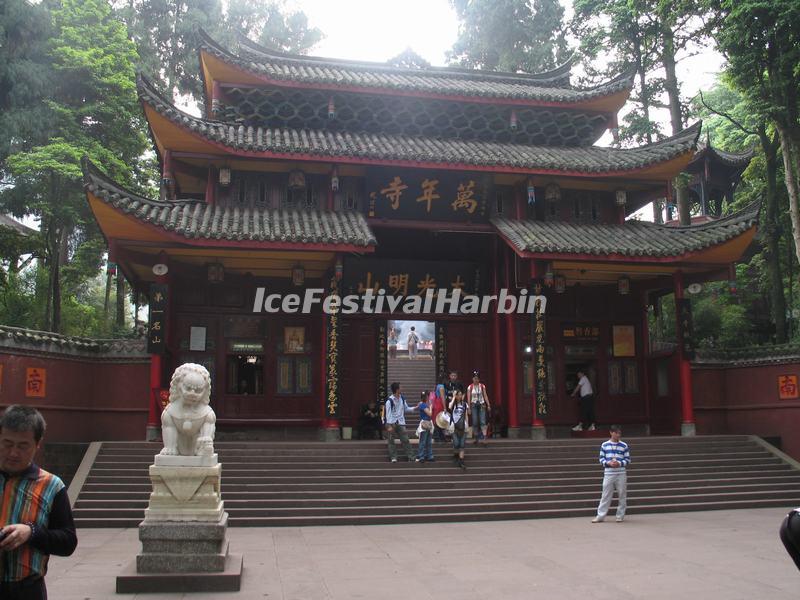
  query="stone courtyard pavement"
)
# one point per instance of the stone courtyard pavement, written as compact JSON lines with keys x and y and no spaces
{"x":723,"y":555}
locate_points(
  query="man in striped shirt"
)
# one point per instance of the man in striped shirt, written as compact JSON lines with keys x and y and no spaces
{"x":35,"y":515}
{"x":614,"y":456}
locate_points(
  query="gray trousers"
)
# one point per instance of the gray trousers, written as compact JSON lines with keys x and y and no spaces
{"x":399,"y":431}
{"x":612,"y":481}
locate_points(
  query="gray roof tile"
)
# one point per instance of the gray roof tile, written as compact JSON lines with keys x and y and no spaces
{"x":393,"y":147}
{"x":552,"y":86}
{"x":632,"y":238}
{"x":194,"y":219}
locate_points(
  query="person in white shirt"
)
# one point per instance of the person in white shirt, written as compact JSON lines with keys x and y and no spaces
{"x":587,"y":403}
{"x":413,"y":340}
{"x":395,"y":418}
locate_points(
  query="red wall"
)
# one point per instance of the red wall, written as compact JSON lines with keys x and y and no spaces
{"x":86,"y":400}
{"x":745,"y":400}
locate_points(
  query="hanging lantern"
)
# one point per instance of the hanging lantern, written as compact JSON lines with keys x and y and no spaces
{"x":298,"y":275}
{"x":561,"y":284}
{"x":335,"y":179}
{"x":531,"y":192}
{"x":224,"y":176}
{"x":513,"y":122}
{"x":552,"y":193}
{"x":297,"y":180}
{"x":624,"y":285}
{"x":331,"y":108}
{"x":215,"y":273}
{"x":622,"y":197}
{"x":548,"y":277}
{"x":338,"y":269}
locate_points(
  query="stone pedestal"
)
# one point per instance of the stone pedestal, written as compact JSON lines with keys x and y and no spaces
{"x":184,"y":532}
{"x":185,"y":492}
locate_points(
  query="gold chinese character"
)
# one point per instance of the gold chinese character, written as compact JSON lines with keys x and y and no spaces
{"x":156,"y":326}
{"x":457,"y":284}
{"x":158,"y":297}
{"x":399,"y":282}
{"x":464,"y":197}
{"x":429,"y":192}
{"x":540,"y":374}
{"x":362,"y":287}
{"x":429,"y":283}
{"x":393,"y":192}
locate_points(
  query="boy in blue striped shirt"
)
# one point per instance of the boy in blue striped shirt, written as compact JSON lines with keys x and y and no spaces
{"x":614,"y":456}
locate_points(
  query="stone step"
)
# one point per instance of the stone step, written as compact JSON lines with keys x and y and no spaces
{"x":310,"y":483}
{"x":459,"y":514}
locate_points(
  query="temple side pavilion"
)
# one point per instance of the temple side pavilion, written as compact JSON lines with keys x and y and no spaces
{"x":309,"y":172}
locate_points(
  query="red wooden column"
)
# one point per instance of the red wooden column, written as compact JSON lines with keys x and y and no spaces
{"x":538,"y":431}
{"x":512,"y":360}
{"x":645,"y":325}
{"x":497,"y":361}
{"x":685,"y":369}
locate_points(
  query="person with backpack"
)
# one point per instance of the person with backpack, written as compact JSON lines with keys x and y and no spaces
{"x":460,"y":412}
{"x":438,"y":403}
{"x":395,"y":417}
{"x":413,"y":340}
{"x":425,"y":450}
{"x":478,"y":400}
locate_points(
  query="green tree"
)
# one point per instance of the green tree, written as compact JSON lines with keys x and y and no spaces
{"x":736,"y":125}
{"x":93,"y":111}
{"x":165,"y":33}
{"x":761,"y":40}
{"x":510,"y":35}
{"x":25,"y":77}
{"x":654,"y":36}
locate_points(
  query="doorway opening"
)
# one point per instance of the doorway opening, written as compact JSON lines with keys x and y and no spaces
{"x":411,"y":358}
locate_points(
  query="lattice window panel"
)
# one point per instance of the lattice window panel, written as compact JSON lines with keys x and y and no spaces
{"x":304,"y":109}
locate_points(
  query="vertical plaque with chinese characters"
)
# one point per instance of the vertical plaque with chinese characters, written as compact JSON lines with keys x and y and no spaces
{"x":332,"y":355}
{"x":441,"y":350}
{"x":539,"y":361}
{"x":383,"y":374}
{"x":157,"y":326}
{"x":683,"y":307}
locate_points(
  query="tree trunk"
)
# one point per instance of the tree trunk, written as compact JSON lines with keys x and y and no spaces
{"x":791,"y":172}
{"x":55,"y":279}
{"x":120,"y":317}
{"x":107,"y":298}
{"x":772,"y":234}
{"x":674,"y":96}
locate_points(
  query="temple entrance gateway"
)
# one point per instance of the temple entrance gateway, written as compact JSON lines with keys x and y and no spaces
{"x":367,"y":195}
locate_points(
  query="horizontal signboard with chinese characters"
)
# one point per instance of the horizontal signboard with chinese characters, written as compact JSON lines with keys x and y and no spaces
{"x":410,"y":277}
{"x":436,"y":196}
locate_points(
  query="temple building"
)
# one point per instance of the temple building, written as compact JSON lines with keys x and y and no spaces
{"x":357,"y":177}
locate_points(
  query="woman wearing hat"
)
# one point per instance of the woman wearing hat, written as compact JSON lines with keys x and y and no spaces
{"x":478,"y":400}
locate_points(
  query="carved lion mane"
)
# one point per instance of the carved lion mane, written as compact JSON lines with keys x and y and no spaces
{"x":177,"y":377}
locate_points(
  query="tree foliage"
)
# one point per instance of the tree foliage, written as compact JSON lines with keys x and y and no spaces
{"x":166,"y":33}
{"x":510,"y":35}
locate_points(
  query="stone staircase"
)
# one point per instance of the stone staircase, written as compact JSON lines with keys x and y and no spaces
{"x":416,"y":376}
{"x":352,"y":483}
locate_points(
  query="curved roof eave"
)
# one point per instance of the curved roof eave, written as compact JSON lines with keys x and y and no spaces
{"x":658,"y":161}
{"x":286,"y":70}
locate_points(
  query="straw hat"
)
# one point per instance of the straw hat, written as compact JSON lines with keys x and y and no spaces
{"x":443,"y":420}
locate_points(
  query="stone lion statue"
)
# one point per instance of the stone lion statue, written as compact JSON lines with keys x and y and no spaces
{"x":188,"y":422}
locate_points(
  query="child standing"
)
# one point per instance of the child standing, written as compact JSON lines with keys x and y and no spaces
{"x":425,"y":451}
{"x":460,"y":410}
{"x":614,"y":456}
